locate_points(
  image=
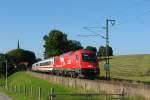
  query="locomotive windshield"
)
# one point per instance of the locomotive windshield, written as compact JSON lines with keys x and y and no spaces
{"x":89,"y":57}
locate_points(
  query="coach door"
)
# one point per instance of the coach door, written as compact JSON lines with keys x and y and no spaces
{"x":77,"y":60}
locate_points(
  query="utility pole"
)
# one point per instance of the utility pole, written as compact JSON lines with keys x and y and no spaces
{"x":6,"y":75}
{"x":107,"y":65}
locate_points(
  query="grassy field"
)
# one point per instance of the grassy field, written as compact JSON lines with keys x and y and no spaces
{"x":22,"y":79}
{"x":129,"y":67}
{"x":19,"y":80}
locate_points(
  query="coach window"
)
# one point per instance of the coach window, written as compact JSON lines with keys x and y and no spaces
{"x":49,"y":63}
{"x":41,"y":64}
{"x":46,"y":63}
{"x":77,"y":58}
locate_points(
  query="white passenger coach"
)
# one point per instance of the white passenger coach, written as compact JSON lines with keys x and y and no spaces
{"x":44,"y":65}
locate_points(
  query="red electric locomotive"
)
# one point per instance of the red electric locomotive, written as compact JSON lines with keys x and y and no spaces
{"x":80,"y":63}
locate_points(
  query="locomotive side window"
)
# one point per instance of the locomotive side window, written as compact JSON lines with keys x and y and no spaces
{"x":77,"y":57}
{"x":88,"y":57}
{"x":37,"y":65}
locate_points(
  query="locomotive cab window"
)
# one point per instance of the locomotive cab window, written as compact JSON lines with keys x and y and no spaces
{"x":89,"y":57}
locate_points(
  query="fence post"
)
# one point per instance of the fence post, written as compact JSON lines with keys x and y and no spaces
{"x":52,"y":94}
{"x":123,"y":94}
{"x":31,"y":90}
{"x":62,"y":81}
{"x":15,"y":89}
{"x":24,"y":89}
{"x":39,"y":93}
{"x":19,"y":90}
{"x":85,"y":86}
{"x":68,"y":82}
{"x":75,"y":84}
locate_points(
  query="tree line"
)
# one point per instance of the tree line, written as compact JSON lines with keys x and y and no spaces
{"x":17,"y":59}
{"x":56,"y":43}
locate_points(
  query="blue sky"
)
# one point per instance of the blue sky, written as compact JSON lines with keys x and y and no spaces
{"x":30,"y":20}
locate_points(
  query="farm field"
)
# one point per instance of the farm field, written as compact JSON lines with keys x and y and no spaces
{"x":129,"y":67}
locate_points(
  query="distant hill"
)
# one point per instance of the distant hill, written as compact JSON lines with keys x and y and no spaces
{"x":129,"y":67}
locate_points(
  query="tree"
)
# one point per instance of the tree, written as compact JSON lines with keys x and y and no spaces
{"x":38,"y":59}
{"x":91,"y":48}
{"x":110,"y":50}
{"x":21,"y":59}
{"x":102,"y":51}
{"x":56,"y":43}
{"x":74,"y":45}
{"x":2,"y":64}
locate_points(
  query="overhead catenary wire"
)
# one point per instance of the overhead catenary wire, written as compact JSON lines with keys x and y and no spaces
{"x":95,"y":33}
{"x":129,"y":20}
{"x":120,"y":12}
{"x":129,"y":7}
{"x":140,"y":2}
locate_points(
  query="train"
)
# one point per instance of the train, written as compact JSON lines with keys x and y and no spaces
{"x":80,"y":63}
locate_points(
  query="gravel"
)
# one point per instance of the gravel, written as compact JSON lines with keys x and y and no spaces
{"x":4,"y":97}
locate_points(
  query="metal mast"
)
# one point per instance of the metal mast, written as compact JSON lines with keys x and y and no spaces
{"x":107,"y":46}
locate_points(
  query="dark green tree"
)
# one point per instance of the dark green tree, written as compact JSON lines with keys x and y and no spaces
{"x":74,"y":45}
{"x":56,"y":43}
{"x":3,"y":58}
{"x":91,"y":48}
{"x":102,"y":51}
{"x":2,"y":64}
{"x":110,"y":51}
{"x":21,"y":59}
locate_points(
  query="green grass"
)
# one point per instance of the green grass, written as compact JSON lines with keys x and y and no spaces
{"x":20,"y":80}
{"x":129,"y":67}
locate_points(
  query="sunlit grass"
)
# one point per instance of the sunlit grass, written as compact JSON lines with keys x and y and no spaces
{"x":133,"y":67}
{"x":23,"y":79}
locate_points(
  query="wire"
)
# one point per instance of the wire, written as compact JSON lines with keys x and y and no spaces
{"x":96,"y":34}
{"x":87,"y":28}
{"x":140,"y":2}
{"x":121,"y":11}
{"x":91,"y":35}
{"x":129,"y":20}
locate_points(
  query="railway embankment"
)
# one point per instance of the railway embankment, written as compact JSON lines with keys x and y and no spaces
{"x":131,"y":89}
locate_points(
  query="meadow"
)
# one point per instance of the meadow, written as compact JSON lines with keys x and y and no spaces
{"x":128,"y":67}
{"x":20,"y":83}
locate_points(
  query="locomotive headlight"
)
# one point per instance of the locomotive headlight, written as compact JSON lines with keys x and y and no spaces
{"x":89,"y":65}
